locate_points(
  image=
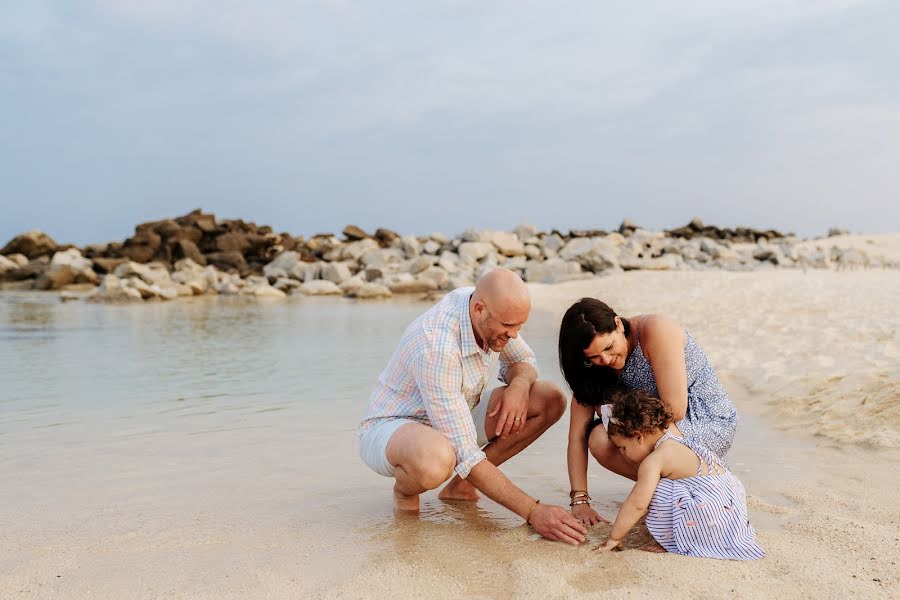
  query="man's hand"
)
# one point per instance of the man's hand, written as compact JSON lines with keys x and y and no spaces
{"x":555,"y":523}
{"x":512,"y":408}
{"x":587,"y":515}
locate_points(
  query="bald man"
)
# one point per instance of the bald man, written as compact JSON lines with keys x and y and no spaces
{"x":433,"y":415}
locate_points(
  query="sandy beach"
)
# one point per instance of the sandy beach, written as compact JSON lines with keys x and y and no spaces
{"x":811,"y":359}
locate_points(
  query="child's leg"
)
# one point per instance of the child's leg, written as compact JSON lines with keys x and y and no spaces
{"x":608,"y":455}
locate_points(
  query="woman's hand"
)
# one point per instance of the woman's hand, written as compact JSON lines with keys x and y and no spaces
{"x":609,"y":544}
{"x":587,"y":515}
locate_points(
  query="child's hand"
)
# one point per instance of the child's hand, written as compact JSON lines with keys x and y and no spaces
{"x":587,"y":515}
{"x":609,"y":544}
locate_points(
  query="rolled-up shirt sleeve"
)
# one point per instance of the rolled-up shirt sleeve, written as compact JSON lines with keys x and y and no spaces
{"x":439,"y":378}
{"x":516,"y":351}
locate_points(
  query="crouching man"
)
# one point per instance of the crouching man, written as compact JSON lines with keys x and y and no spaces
{"x":432,"y":410}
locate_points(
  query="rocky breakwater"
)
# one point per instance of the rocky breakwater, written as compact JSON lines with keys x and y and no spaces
{"x":197,"y":254}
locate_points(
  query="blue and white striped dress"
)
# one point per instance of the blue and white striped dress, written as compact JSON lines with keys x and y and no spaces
{"x":705,"y":515}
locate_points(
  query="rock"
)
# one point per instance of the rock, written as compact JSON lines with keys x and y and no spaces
{"x":627,"y":227}
{"x":143,"y":246}
{"x":440,"y":238}
{"x":107,"y":265}
{"x":836,"y":231}
{"x":587,"y":233}
{"x":849,"y":258}
{"x":67,"y":267}
{"x":336,"y":272}
{"x":181,"y":249}
{"x":553,"y":243}
{"x":205,"y":222}
{"x":554,"y":270}
{"x":525,"y":232}
{"x":508,"y":244}
{"x":475,"y":251}
{"x":404,"y":283}
{"x":410,"y":246}
{"x":380,"y":258}
{"x":417,"y":265}
{"x":354,"y":233}
{"x":319,"y":287}
{"x":282,"y":266}
{"x":113,"y":289}
{"x":436,"y":275}
{"x":31,"y":270}
{"x":305,"y":271}
{"x":355,"y":250}
{"x":516,"y":263}
{"x":369,"y":291}
{"x":449,"y":261}
{"x":532,"y":251}
{"x":386,"y":237}
{"x":663,"y":263}
{"x":431,"y":247}
{"x":350,"y":285}
{"x":267,"y":291}
{"x":232,"y":262}
{"x":286,"y":284}
{"x":20,"y":259}
{"x":232,"y":242}
{"x":6,"y":264}
{"x":32,"y":244}
{"x":151,"y":273}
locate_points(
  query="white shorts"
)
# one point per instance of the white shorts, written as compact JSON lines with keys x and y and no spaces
{"x":374,"y":440}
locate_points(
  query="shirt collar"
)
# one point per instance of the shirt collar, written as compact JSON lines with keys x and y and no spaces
{"x":467,"y":342}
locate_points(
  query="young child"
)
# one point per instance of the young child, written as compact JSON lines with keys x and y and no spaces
{"x":695,"y":506}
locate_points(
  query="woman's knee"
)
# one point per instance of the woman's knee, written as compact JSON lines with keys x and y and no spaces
{"x":600,"y":446}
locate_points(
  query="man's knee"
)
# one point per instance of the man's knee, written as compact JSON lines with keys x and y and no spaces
{"x":552,"y":400}
{"x":435,"y":465}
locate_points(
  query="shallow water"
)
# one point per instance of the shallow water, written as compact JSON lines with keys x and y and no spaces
{"x":233,"y":414}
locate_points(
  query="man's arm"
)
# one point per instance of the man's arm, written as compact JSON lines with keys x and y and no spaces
{"x":552,"y":522}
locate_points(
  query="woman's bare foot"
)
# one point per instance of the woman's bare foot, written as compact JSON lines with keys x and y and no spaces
{"x":654,"y":547}
{"x":459,"y":489}
{"x":404,"y":503}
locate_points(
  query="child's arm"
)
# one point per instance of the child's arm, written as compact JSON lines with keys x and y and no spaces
{"x":635,"y":506}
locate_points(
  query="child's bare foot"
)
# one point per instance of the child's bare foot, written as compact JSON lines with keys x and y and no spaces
{"x":459,"y":489}
{"x":654,"y":547}
{"x":404,"y":503}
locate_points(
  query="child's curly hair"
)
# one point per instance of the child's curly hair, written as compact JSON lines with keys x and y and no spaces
{"x":636,"y":411}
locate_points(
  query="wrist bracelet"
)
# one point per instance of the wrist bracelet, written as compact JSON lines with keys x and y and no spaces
{"x":577,"y":502}
{"x":574,"y":493}
{"x":531,"y":512}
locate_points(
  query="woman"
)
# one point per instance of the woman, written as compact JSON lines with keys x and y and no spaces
{"x":600,"y":352}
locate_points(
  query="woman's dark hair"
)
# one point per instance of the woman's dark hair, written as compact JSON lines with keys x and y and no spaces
{"x":637,"y":411}
{"x":585,"y":319}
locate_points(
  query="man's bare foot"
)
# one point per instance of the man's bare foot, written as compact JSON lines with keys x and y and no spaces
{"x":404,"y":503}
{"x":459,"y":489}
{"x":654,"y":547}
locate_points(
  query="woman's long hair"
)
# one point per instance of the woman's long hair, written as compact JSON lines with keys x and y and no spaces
{"x":591,"y":385}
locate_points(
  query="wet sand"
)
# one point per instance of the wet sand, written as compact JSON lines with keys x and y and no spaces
{"x":285,"y":512}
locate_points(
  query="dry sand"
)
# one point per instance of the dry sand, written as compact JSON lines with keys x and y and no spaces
{"x":810,"y":358}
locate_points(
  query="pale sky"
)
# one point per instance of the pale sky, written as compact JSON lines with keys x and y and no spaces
{"x":441,"y":115}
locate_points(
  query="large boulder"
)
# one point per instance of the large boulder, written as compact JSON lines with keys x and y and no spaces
{"x":232,"y":262}
{"x":282,"y":266}
{"x":32,"y":244}
{"x":508,"y":244}
{"x":65,"y":268}
{"x":386,"y":237}
{"x":475,"y":251}
{"x":6,"y":264}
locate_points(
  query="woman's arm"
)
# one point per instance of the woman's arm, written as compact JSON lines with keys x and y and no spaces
{"x":635,"y":506}
{"x":663,"y":342}
{"x":577,"y":459}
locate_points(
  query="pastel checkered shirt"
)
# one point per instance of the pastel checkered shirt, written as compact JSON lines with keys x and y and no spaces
{"x":437,"y":374}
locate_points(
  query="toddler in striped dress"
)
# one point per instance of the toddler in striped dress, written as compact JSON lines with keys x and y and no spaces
{"x":694,"y":505}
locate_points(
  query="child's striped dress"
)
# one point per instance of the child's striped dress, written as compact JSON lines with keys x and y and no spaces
{"x":705,"y":515}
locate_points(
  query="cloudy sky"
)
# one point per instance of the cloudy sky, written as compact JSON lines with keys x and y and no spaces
{"x":439,"y":115}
